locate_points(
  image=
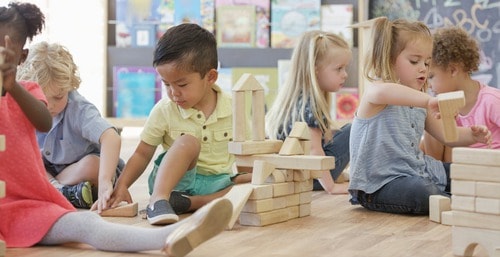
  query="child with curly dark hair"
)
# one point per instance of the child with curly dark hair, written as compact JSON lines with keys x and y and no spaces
{"x":455,"y":56}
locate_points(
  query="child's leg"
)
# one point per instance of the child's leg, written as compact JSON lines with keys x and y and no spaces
{"x":404,"y":195}
{"x":90,"y":228}
{"x":86,"y":169}
{"x":181,"y":157}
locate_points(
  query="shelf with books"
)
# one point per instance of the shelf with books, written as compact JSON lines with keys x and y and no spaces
{"x":229,"y":56}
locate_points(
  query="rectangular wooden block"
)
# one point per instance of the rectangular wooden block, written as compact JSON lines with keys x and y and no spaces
{"x":3,"y":248}
{"x":301,"y":175}
{"x":488,"y":189}
{"x":255,"y":147}
{"x":122,"y":210}
{"x":437,"y":205}
{"x":303,"y":186}
{"x":257,"y":206}
{"x":468,"y":155}
{"x":281,"y":189}
{"x":305,"y":197}
{"x":292,"y":200}
{"x":463,"y":187}
{"x":304,"y":210}
{"x":264,"y":218}
{"x":475,"y":172}
{"x":463,"y":203}
{"x":488,"y":205}
{"x":299,"y":162}
{"x":2,"y":143}
{"x":449,"y":104}
{"x":261,"y":192}
{"x":238,"y":195}
{"x":2,"y":189}
{"x":447,"y":218}
{"x":476,"y":220}
{"x":279,"y":202}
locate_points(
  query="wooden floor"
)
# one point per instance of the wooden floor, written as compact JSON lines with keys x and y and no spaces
{"x":335,"y":228}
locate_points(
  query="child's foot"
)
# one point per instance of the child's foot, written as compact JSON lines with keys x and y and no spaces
{"x":79,"y":195}
{"x":161,"y":213}
{"x":180,"y":202}
{"x":204,"y":224}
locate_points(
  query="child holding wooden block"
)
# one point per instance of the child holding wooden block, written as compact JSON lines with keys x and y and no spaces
{"x":455,"y":56}
{"x":389,"y":172}
{"x":319,"y":64}
{"x":33,"y":211}
{"x":193,"y":126}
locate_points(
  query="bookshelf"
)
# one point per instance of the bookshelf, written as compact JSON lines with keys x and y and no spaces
{"x":228,"y":57}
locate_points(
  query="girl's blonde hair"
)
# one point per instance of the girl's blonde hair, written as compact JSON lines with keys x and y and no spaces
{"x":389,"y":39}
{"x":52,"y":67}
{"x":301,"y":87}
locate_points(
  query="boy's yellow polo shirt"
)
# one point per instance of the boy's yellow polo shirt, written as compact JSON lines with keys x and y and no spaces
{"x":167,"y":121}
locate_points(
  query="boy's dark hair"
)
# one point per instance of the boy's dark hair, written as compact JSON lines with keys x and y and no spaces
{"x":190,"y":46}
{"x":23,"y":20}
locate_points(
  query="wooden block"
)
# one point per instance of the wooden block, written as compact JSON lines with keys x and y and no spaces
{"x":304,"y":210}
{"x":476,"y":220}
{"x":316,"y":174}
{"x":301,"y":175}
{"x":239,"y":117}
{"x":301,"y":131}
{"x":255,"y":147}
{"x":291,"y":146}
{"x":464,"y":240}
{"x":299,"y":162}
{"x":261,"y":170}
{"x":2,"y":143}
{"x":289,"y":175}
{"x":303,"y":186}
{"x":447,"y":218}
{"x":261,"y":192}
{"x":258,"y":128}
{"x":264,"y":218}
{"x":277,"y":176}
{"x":281,"y":189}
{"x":279,"y":202}
{"x":293,"y":212}
{"x":463,"y":187}
{"x":258,"y":206}
{"x":306,"y":146}
{"x":487,"y":189}
{"x":305,"y":197}
{"x":292,"y":200}
{"x":247,"y":82}
{"x":487,"y":205}
{"x":437,"y":205}
{"x":122,"y":210}
{"x":449,"y":105}
{"x":2,"y":189}
{"x":463,"y":203}
{"x":3,"y":248}
{"x":238,"y":195}
{"x":479,"y":156}
{"x":474,"y":172}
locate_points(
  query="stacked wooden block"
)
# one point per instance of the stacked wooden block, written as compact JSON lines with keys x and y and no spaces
{"x":282,"y":174}
{"x":475,"y":202}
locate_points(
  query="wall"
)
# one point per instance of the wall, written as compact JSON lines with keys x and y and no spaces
{"x":81,"y":26}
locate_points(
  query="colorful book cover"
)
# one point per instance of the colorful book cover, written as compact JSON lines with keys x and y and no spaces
{"x":187,"y":11}
{"x":136,"y":90}
{"x":262,"y":18}
{"x":133,"y":14}
{"x":290,"y":19}
{"x":267,"y":77}
{"x":337,"y":18}
{"x":235,"y":26}
{"x":347,"y":100}
{"x":208,"y":15}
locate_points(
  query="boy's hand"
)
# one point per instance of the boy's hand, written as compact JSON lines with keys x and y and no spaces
{"x":119,"y":195}
{"x":481,"y":134}
{"x":102,"y":203}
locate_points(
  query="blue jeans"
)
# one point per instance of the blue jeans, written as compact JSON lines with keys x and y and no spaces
{"x":338,"y":147}
{"x":404,"y":195}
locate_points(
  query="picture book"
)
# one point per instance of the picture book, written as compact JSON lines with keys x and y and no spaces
{"x":262,"y":18}
{"x":235,"y":26}
{"x":135,"y":91}
{"x":337,"y":18}
{"x":289,"y":19}
{"x":347,"y":101}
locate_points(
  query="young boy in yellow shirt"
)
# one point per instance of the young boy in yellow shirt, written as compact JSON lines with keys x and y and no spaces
{"x":193,"y":125}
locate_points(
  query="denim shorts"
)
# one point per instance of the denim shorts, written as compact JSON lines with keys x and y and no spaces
{"x":192,"y":182}
{"x":55,"y":169}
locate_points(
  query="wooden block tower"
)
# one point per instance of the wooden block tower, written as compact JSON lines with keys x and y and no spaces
{"x":475,"y":202}
{"x":282,"y":184}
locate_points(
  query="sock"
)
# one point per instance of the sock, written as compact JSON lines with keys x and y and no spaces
{"x":55,"y":183}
